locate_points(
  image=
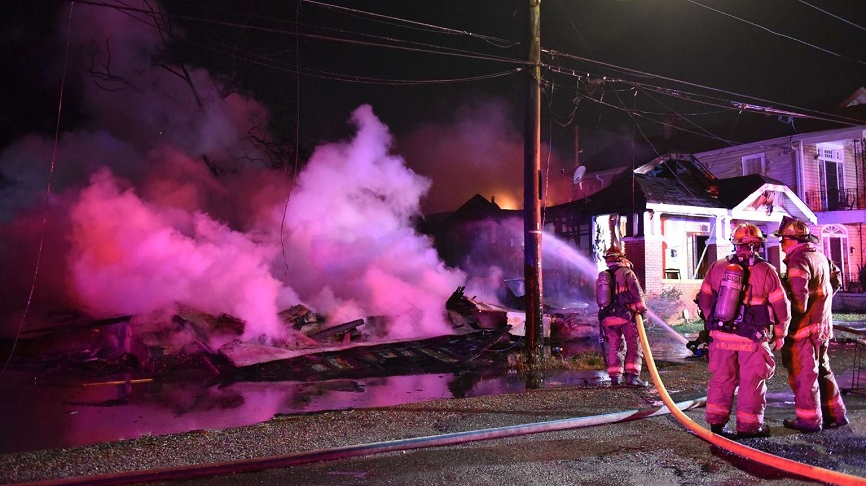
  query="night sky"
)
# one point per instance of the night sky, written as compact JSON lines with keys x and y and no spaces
{"x":258,"y":141}
{"x":421,"y":66}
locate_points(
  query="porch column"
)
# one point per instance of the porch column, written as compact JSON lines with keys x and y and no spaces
{"x":774,"y":252}
{"x":719,"y":244}
{"x":646,"y":254}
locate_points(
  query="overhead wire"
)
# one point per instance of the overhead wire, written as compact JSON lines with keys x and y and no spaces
{"x":44,"y":223}
{"x":767,"y":29}
{"x":802,"y":112}
{"x":499,"y":42}
{"x":421,"y":48}
{"x":351,"y":78}
{"x":387,"y":42}
{"x":832,"y":15}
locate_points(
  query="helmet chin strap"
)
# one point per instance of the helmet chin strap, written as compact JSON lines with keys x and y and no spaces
{"x":748,"y":260}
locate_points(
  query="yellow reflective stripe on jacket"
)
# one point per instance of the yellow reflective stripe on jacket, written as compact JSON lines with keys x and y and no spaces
{"x":797,"y":273}
{"x":777,"y":295}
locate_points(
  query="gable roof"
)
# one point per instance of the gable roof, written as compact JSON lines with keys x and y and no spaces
{"x":670,"y":185}
{"x":475,"y":209}
{"x":761,"y":198}
{"x":734,"y":190}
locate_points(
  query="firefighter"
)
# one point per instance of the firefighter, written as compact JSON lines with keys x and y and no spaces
{"x":743,"y":297}
{"x":811,"y":280}
{"x":619,"y":297}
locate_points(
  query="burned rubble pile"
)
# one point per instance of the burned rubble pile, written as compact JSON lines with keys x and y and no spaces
{"x":193,"y":344}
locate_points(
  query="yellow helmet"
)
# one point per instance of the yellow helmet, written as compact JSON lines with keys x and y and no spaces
{"x":796,"y":229}
{"x":747,"y":233}
{"x":614,"y":253}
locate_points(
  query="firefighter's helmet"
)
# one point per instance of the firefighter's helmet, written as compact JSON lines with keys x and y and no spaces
{"x":614,"y":253}
{"x":747,"y":233}
{"x":796,"y":229}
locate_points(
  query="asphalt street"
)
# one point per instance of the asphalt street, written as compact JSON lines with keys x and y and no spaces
{"x":656,"y":450}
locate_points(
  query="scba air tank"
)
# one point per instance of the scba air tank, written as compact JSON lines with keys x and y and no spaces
{"x":604,"y":289}
{"x":729,"y":293}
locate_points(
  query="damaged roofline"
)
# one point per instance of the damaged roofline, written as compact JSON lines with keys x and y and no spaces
{"x":686,"y":210}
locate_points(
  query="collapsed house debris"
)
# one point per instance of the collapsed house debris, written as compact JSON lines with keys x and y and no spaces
{"x":190,"y":340}
{"x":561,"y":320}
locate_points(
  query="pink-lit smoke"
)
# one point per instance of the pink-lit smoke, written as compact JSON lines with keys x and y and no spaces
{"x":138,"y":222}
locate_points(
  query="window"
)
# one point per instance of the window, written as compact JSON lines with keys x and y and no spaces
{"x":831,"y":169}
{"x":754,"y":164}
{"x":829,"y":152}
{"x":685,"y":254}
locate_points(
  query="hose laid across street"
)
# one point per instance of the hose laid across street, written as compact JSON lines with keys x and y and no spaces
{"x":345,"y":452}
{"x":288,"y":460}
{"x":761,"y":457}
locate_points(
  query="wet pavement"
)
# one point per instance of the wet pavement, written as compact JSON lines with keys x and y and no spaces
{"x":57,"y":412}
{"x":657,"y":450}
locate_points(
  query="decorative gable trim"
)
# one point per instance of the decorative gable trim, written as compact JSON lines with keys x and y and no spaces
{"x":770,"y":202}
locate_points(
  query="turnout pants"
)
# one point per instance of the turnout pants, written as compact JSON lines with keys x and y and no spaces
{"x":621,"y":334}
{"x":816,"y":394}
{"x":738,"y":362}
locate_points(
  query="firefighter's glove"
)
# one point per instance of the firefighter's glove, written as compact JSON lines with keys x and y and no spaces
{"x":779,"y":343}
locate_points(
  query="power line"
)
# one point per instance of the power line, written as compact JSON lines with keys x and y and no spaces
{"x":394,"y":43}
{"x":832,"y":15}
{"x":641,"y":74}
{"x":808,"y":44}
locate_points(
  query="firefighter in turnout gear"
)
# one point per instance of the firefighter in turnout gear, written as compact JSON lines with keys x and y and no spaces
{"x":619,"y":297}
{"x":811,"y":281}
{"x":743,"y":301}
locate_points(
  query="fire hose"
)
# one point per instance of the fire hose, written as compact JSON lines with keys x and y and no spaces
{"x":755,"y":455}
{"x":345,"y":452}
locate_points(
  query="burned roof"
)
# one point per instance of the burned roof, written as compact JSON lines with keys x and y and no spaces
{"x":632,"y":193}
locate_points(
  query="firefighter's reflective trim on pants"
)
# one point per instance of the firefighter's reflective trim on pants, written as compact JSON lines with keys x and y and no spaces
{"x":807,"y":415}
{"x":732,"y":342}
{"x":631,"y":368}
{"x":804,"y":332}
{"x":835,"y":406}
{"x":712,"y":408}
{"x":753,"y":420}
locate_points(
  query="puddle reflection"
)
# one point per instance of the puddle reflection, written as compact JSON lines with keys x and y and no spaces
{"x":46,"y":416}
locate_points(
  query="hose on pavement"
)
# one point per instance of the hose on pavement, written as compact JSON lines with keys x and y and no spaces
{"x":761,"y":457}
{"x":288,"y":460}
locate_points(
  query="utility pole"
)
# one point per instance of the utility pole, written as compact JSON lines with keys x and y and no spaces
{"x":532,"y":187}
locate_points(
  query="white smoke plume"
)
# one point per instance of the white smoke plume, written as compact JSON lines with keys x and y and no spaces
{"x":352,"y":239}
{"x":137,"y":221}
